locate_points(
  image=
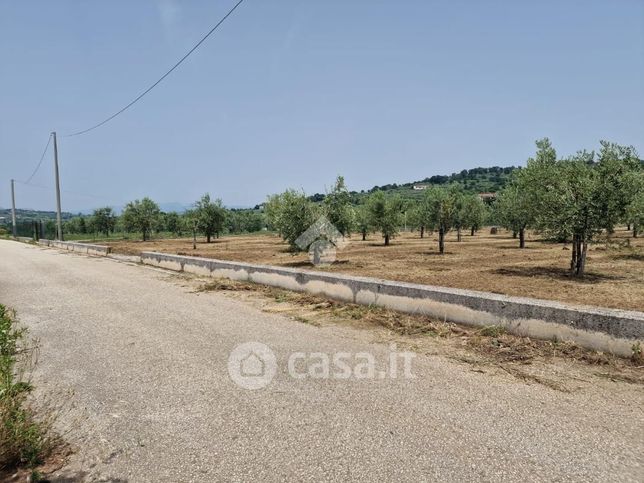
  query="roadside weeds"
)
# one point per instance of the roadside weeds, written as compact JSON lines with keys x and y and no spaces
{"x":28,"y":445}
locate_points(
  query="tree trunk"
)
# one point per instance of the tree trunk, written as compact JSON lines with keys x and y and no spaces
{"x":628,"y":227}
{"x":514,"y":234}
{"x":364,"y":235}
{"x":573,"y":257}
{"x":208,"y":238}
{"x":458,"y":234}
{"x":386,"y":240}
{"x":144,"y":235}
{"x":582,"y":260}
{"x":422,"y":232}
{"x":194,"y":239}
{"x":635,"y":230}
{"x":472,"y":231}
{"x":522,"y":238}
{"x":441,"y":240}
{"x":579,"y":251}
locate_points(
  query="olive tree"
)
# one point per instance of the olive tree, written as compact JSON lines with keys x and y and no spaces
{"x":619,"y":171}
{"x":362,"y":221}
{"x":338,"y":209}
{"x":635,"y":209}
{"x":290,"y":213}
{"x":474,"y":213}
{"x":459,"y":219}
{"x":385,"y":214}
{"x":189,"y":221}
{"x":173,"y":223}
{"x":141,"y":216}
{"x":211,"y":216}
{"x":576,"y":198}
{"x":244,"y":221}
{"x":441,"y":204}
{"x":417,"y":218}
{"x":104,"y":220}
{"x":514,"y":210}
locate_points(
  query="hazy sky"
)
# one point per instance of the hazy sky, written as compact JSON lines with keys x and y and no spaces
{"x":292,"y":93}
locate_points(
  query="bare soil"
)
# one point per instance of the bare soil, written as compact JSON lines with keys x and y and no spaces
{"x":491,"y":263}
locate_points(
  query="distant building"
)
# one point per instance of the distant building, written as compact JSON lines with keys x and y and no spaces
{"x":419,"y":187}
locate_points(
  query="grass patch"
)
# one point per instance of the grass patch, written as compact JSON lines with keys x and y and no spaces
{"x":25,"y":441}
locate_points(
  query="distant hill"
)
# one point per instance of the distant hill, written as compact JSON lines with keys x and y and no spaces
{"x":29,"y":215}
{"x":476,"y":180}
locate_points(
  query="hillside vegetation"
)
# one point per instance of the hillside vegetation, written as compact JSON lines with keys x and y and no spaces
{"x":475,"y":180}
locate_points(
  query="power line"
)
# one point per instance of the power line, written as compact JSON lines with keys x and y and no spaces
{"x":39,"y":162}
{"x":162,"y":77}
{"x":74,"y":193}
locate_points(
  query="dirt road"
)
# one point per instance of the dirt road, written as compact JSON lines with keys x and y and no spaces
{"x":144,"y":362}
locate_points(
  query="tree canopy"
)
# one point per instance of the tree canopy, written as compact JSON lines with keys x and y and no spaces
{"x":210,"y":216}
{"x":385,"y":214}
{"x":141,"y":216}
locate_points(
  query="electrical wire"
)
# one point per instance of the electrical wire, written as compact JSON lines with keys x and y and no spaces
{"x":74,"y":193}
{"x":78,"y":133}
{"x":39,"y":162}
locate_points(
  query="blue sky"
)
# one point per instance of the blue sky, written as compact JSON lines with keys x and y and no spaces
{"x":292,"y":93}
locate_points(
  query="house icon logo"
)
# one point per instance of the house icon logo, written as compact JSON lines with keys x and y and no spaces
{"x":252,"y":365}
{"x":321,"y":240}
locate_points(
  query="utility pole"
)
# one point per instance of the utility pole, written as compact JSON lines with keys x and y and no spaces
{"x":59,"y":216}
{"x":13,"y":210}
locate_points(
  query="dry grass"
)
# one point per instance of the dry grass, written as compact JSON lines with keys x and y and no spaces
{"x":491,"y":263}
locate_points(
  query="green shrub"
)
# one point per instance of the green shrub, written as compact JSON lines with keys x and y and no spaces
{"x":23,"y":439}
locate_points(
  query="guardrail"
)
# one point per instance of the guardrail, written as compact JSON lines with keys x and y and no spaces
{"x":610,"y":330}
{"x":25,"y":239}
{"x":86,"y":248}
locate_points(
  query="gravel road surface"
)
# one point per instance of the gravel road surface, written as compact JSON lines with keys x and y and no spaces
{"x":142,"y":361}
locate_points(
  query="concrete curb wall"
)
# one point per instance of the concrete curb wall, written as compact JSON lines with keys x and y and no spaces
{"x":86,"y":248}
{"x":608,"y":330}
{"x":25,"y":239}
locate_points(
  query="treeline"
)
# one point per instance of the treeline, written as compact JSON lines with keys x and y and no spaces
{"x":207,"y":217}
{"x":473,"y":180}
{"x":570,"y":200}
{"x":442,"y":209}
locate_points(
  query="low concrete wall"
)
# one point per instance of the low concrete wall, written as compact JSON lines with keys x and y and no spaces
{"x":86,"y":248}
{"x":25,"y":239}
{"x":607,"y":330}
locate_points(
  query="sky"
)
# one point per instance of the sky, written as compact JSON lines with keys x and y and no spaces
{"x":292,"y":93}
